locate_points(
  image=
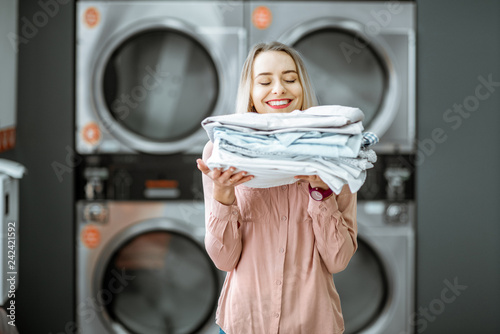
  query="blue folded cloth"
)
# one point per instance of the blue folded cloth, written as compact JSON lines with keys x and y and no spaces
{"x":296,"y":144}
{"x":326,"y":141}
{"x":369,"y":139}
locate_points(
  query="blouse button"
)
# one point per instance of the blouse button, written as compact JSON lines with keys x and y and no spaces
{"x":283,"y":187}
{"x":282,"y":250}
{"x":235,"y":212}
{"x":278,"y":282}
{"x":276,"y":315}
{"x":283,"y":218}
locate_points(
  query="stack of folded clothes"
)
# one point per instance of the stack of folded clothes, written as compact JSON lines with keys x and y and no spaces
{"x":327,"y":141}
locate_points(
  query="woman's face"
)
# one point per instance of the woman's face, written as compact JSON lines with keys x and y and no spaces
{"x":275,"y":83}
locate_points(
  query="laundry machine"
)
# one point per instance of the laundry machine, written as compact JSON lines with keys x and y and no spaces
{"x":360,"y":54}
{"x":141,"y":261}
{"x":148,"y":72}
{"x":377,"y":289}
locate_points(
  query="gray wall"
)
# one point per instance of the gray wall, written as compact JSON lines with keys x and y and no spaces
{"x":45,"y":299}
{"x":458,"y":182}
{"x":458,"y":214}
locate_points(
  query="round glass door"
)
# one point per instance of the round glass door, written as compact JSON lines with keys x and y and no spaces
{"x":160,"y":84}
{"x":363,"y":289}
{"x":161,"y":282}
{"x":344,"y":70}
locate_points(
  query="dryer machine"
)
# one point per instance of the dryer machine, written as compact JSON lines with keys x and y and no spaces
{"x":141,"y":261}
{"x":359,"y":54}
{"x":377,"y":290}
{"x":147,"y":73}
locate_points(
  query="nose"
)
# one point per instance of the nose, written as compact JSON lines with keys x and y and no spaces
{"x":278,"y":88}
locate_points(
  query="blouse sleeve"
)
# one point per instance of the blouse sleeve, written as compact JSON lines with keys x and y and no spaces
{"x":222,"y":236}
{"x":335,"y":228}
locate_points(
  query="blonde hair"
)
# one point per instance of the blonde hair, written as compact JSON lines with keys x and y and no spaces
{"x":244,"y":101}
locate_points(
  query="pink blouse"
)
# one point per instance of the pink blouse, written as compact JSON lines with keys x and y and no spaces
{"x":280,"y":249}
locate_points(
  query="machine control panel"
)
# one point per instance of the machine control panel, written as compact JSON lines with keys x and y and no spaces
{"x":138,"y":177}
{"x":391,"y":179}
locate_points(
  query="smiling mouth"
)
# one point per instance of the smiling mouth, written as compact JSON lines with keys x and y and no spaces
{"x":279,"y":104}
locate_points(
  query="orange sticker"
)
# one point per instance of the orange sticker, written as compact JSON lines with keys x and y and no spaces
{"x":7,"y":139}
{"x":91,"y":133}
{"x":91,"y":236}
{"x":162,"y":184}
{"x":262,"y":17}
{"x":91,"y":17}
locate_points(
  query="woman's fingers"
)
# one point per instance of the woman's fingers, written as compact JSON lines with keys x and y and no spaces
{"x":243,"y":180}
{"x":314,"y":181}
{"x":227,"y":177}
{"x":230,"y":178}
{"x":216,"y":173}
{"x":202,"y":166}
{"x":237,"y":177}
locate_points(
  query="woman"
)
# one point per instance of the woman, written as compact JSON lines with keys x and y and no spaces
{"x":279,"y":246}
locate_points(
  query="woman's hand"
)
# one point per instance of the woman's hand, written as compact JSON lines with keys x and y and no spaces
{"x":224,"y":182}
{"x":314,"y":180}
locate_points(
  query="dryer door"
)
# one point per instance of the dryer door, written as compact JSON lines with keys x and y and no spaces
{"x":363,"y":288}
{"x":153,"y":85}
{"x":347,"y":67}
{"x":158,"y":279}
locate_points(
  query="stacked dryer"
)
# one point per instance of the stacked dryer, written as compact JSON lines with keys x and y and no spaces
{"x":362,"y":54}
{"x":147,"y":73}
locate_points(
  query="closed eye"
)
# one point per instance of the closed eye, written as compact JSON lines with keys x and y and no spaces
{"x":290,"y":81}
{"x":264,"y":83}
